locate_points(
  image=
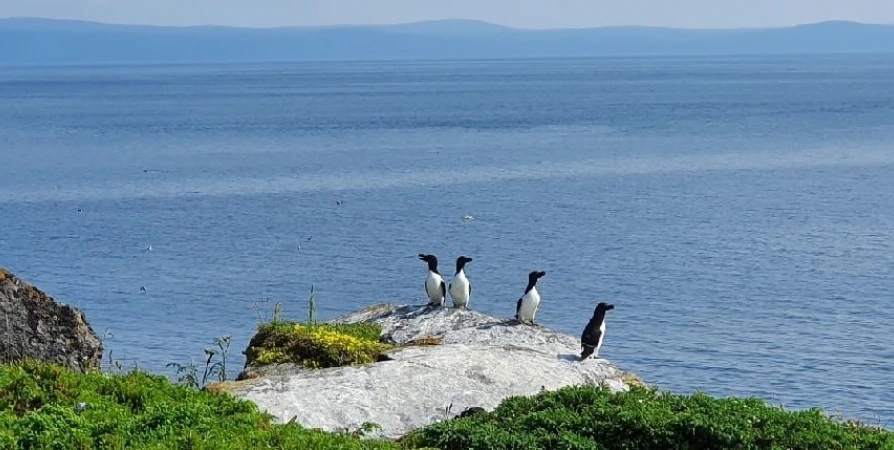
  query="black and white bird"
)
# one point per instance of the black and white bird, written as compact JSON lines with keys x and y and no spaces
{"x":460,"y":287}
{"x":435,"y":288}
{"x":594,"y":332}
{"x":526,"y":307}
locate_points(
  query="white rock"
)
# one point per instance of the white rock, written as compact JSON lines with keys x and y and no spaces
{"x":482,"y":361}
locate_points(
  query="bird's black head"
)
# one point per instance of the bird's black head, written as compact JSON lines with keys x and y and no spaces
{"x":535,"y":275}
{"x":432,"y":261}
{"x":461,"y":262}
{"x":532,"y":279}
{"x":602,"y":306}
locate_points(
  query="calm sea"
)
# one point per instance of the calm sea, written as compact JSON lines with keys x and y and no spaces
{"x":737,"y":211}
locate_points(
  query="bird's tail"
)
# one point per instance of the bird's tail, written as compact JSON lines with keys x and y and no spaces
{"x":586,"y":351}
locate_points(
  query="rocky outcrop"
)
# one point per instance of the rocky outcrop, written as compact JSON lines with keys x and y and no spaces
{"x":34,"y":326}
{"x":480,"y":361}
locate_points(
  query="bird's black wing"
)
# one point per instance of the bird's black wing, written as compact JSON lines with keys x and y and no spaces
{"x":586,"y":351}
{"x":518,"y":306}
{"x":470,"y":289}
{"x":443,"y":289}
{"x":591,"y":335}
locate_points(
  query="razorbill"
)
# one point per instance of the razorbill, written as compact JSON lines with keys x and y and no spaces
{"x":594,"y":332}
{"x":460,"y":287}
{"x":434,"y":282}
{"x":526,"y":307}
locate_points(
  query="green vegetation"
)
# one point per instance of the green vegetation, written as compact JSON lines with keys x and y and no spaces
{"x":315,"y":345}
{"x":188,"y":374}
{"x":44,"y":407}
{"x":312,"y":344}
{"x":592,"y":418}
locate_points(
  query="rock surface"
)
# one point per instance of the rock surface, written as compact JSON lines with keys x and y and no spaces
{"x":34,"y":326}
{"x":482,"y":361}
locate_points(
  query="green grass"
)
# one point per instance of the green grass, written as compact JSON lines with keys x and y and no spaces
{"x":592,"y":418}
{"x":38,"y":410}
{"x":315,"y":345}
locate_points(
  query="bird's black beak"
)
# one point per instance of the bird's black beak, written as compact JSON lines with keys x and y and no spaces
{"x":609,"y":307}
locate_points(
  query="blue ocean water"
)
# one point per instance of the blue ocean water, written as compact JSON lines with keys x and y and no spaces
{"x":737,"y":211}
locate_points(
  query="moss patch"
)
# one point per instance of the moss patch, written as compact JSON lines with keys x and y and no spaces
{"x":631,"y":379}
{"x":315,"y":346}
{"x":53,"y":408}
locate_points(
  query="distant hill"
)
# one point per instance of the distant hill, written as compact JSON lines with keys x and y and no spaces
{"x":45,"y":41}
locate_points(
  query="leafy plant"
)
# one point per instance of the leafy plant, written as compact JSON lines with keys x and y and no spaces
{"x":363,"y":430}
{"x":213,"y":368}
{"x":188,"y":374}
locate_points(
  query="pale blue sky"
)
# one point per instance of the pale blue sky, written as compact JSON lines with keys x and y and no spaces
{"x":519,"y":13}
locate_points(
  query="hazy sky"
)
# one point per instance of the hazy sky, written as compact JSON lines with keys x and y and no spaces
{"x":520,"y":13}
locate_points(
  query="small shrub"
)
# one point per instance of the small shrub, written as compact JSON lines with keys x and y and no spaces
{"x":188,"y":374}
{"x":593,"y":418}
{"x":315,"y":345}
{"x":44,"y":407}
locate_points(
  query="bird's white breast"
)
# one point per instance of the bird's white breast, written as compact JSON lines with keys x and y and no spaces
{"x":529,"y":305}
{"x":601,"y":337}
{"x":459,"y":289}
{"x":433,"y":286}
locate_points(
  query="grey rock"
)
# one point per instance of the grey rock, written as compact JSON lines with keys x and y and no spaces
{"x":482,"y":361}
{"x":272,"y":370}
{"x":471,"y":412}
{"x":34,"y":326}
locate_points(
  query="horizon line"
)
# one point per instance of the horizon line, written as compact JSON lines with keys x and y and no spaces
{"x":435,"y":21}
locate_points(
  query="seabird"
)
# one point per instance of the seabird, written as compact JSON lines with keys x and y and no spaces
{"x":526,"y":307}
{"x":460,"y":287}
{"x":594,"y":332}
{"x":143,"y":289}
{"x":435,"y":288}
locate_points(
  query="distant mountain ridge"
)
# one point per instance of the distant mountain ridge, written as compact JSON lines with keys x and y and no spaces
{"x":49,"y":41}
